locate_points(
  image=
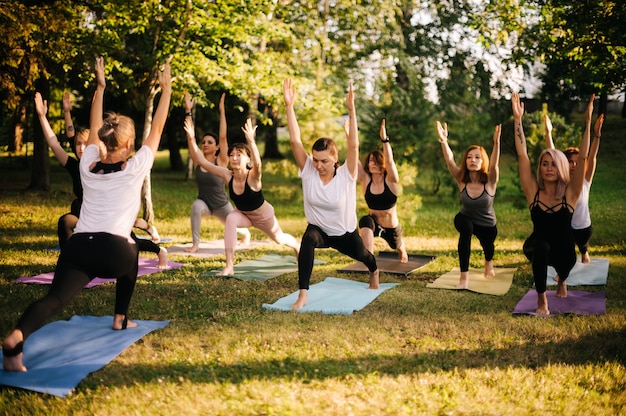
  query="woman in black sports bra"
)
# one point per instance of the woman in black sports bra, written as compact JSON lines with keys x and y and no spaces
{"x":245,"y":187}
{"x":380,"y":183}
{"x":551,"y":196}
{"x":477,"y":179}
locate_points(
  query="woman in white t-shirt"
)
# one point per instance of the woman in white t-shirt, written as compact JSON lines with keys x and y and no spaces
{"x":101,"y":245}
{"x":329,"y":197}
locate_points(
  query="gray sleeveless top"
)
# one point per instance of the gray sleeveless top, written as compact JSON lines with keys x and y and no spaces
{"x":211,"y":189}
{"x":479,"y":210}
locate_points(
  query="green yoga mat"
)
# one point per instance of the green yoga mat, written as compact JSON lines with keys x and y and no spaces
{"x":263,"y":268}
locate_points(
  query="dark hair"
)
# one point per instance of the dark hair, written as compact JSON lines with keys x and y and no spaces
{"x":324,"y":143}
{"x":241,"y":147}
{"x":571,"y":151}
{"x":379,"y":159}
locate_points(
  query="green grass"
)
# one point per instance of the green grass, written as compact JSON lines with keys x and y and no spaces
{"x":412,"y":351}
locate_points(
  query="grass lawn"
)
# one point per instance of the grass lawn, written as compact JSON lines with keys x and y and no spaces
{"x":414,"y":350}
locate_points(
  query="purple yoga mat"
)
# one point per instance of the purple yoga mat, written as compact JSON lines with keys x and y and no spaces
{"x":577,"y":302}
{"x":146,"y":266}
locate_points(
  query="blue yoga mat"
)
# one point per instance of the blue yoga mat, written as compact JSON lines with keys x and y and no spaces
{"x":333,"y":296}
{"x":60,"y":354}
{"x":594,"y":273}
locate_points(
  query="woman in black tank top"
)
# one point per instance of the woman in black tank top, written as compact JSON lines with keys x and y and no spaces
{"x":379,"y":172}
{"x":551,"y":196}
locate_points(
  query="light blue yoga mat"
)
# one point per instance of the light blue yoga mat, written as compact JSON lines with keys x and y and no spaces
{"x":333,"y":296}
{"x":60,"y":354}
{"x":594,"y":273}
{"x":262,"y":269}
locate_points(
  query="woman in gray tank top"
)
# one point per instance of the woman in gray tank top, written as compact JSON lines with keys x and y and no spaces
{"x":477,"y":180}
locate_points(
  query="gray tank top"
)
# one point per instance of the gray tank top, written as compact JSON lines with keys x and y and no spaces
{"x":479,"y":210}
{"x":211,"y":189}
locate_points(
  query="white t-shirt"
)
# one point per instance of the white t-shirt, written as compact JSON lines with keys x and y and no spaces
{"x":581,"y":218}
{"x":332,"y":207}
{"x":111,"y":201}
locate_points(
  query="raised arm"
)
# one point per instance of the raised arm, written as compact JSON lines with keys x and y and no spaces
{"x":494,"y":160}
{"x":41,"y":106}
{"x":289,"y":94}
{"x":448,"y":156}
{"x":222,"y":157}
{"x":548,"y":131}
{"x":393,"y":178}
{"x":95,"y":114}
{"x":352,"y":157}
{"x":67,"y":116}
{"x":160,"y":116}
{"x":528,"y":181}
{"x":575,"y":186}
{"x":255,"y":158}
{"x":593,"y":150}
{"x":189,"y":103}
{"x":198,"y":157}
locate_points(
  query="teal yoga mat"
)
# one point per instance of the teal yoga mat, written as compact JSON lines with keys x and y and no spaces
{"x":60,"y":354}
{"x":333,"y":296}
{"x":263,"y":268}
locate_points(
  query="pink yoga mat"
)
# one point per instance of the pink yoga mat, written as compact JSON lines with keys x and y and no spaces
{"x":146,"y":266}
{"x":577,"y":302}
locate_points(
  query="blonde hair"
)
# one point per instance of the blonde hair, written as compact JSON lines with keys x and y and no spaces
{"x":116,"y":131}
{"x":562,"y":168}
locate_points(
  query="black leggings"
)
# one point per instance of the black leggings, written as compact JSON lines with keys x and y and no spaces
{"x":349,"y":244}
{"x":543,"y":254}
{"x":582,"y":238}
{"x":486,"y":236}
{"x":84,"y":257}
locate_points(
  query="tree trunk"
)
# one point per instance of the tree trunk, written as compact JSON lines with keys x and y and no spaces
{"x":269,"y":131}
{"x":173,"y":131}
{"x":603,"y":104}
{"x":40,"y":179}
{"x":146,"y":189}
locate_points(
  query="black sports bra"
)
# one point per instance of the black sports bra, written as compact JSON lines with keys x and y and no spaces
{"x":382,"y":201}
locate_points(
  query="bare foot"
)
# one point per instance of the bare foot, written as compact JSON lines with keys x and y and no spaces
{"x":227,"y":271}
{"x":463,"y":281}
{"x":302,"y":298}
{"x":556,"y":278}
{"x":12,"y":352}
{"x":374,"y":281}
{"x":402,"y":255}
{"x":542,"y":304}
{"x":162,"y":259}
{"x":489,"y":270}
{"x":118,"y":322}
{"x":193,"y":249}
{"x":561,"y":289}
{"x":585,"y":258}
{"x":156,"y":238}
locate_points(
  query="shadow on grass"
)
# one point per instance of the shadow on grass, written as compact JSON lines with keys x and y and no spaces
{"x":595,"y":349}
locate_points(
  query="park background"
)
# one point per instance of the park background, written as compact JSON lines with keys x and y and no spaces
{"x":414,"y":350}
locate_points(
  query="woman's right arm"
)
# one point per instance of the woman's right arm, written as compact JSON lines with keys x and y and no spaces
{"x":67,"y":116}
{"x":289,"y":94}
{"x":95,"y":114}
{"x":42,"y":108}
{"x":198,"y":157}
{"x":448,"y":156}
